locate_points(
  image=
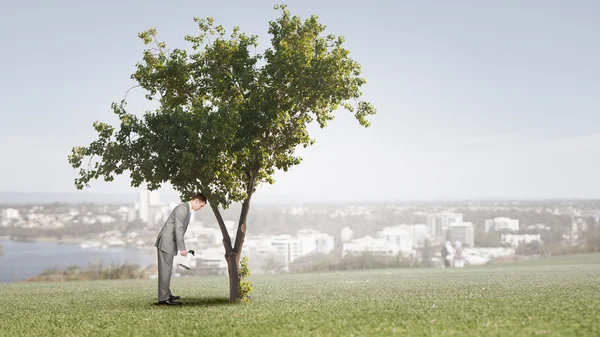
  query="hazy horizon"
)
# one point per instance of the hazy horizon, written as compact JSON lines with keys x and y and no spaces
{"x":475,"y":100}
{"x":21,"y":198}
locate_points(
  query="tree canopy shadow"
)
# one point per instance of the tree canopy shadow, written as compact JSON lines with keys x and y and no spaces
{"x":204,"y":301}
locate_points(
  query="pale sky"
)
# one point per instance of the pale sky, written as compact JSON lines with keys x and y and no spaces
{"x":474,"y":98}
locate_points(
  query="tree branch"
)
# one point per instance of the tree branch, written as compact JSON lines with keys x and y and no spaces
{"x":127,"y":92}
{"x":235,"y":83}
{"x":241,"y":230}
{"x":221,"y":222}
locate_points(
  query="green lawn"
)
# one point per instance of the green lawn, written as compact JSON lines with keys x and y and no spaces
{"x":527,"y":299}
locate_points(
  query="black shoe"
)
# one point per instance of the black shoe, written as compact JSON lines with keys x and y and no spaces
{"x":174,"y":298}
{"x":168,"y":302}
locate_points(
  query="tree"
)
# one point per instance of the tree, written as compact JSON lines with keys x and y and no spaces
{"x":428,"y":252}
{"x":228,"y":117}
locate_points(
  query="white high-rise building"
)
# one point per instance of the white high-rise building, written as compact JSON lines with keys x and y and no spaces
{"x":308,"y":241}
{"x":315,"y":242}
{"x":420,"y":233}
{"x":149,"y":207}
{"x":462,"y":232}
{"x":259,"y":243}
{"x":438,"y":223}
{"x":144,"y":203}
{"x":288,"y":246}
{"x":325,"y":244}
{"x":399,"y":235}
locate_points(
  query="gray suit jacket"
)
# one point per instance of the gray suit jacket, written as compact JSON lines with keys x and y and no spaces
{"x":170,"y":238}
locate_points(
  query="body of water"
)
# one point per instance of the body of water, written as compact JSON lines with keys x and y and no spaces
{"x":22,"y":260}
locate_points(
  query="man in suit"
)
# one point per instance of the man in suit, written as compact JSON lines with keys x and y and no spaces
{"x":170,"y":241}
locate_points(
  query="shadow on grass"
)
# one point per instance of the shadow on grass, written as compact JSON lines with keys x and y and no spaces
{"x":200,"y":302}
{"x":204,"y":301}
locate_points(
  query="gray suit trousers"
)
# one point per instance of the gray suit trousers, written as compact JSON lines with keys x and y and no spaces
{"x":165,"y":267}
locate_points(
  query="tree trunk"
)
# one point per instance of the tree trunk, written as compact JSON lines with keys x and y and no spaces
{"x":233,"y":256}
{"x":233,"y":253}
{"x":233,"y":259}
{"x":233,"y":265}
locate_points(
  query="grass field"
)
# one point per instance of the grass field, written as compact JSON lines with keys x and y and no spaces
{"x":556,"y":297}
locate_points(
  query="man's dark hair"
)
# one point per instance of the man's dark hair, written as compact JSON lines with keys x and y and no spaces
{"x":199,"y":196}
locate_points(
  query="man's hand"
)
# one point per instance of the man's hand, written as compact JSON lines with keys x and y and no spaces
{"x":183,"y":252}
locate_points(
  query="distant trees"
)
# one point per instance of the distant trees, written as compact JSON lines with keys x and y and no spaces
{"x":530,"y":248}
{"x":593,"y":238}
{"x":428,"y":251}
{"x":94,"y":272}
{"x":590,"y":244}
{"x":366,"y":260}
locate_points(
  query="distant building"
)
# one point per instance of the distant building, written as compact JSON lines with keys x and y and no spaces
{"x":539,"y":226}
{"x":370,"y":244}
{"x":346,"y":234}
{"x":131,"y":215}
{"x":291,"y":247}
{"x":325,"y":244}
{"x":208,"y":259}
{"x":149,"y":207}
{"x":308,"y":241}
{"x":315,"y":242}
{"x":400,"y":235}
{"x":438,"y":223}
{"x":501,"y":223}
{"x":205,"y":236}
{"x":579,"y":225}
{"x":420,"y":233}
{"x":481,"y":255}
{"x":10,"y":214}
{"x":144,"y":205}
{"x":595,"y":214}
{"x":462,"y":232}
{"x":288,"y":246}
{"x":259,"y":243}
{"x":104,"y":218}
{"x":515,"y":239}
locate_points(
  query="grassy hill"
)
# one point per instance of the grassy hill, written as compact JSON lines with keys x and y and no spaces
{"x":554,"y":297}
